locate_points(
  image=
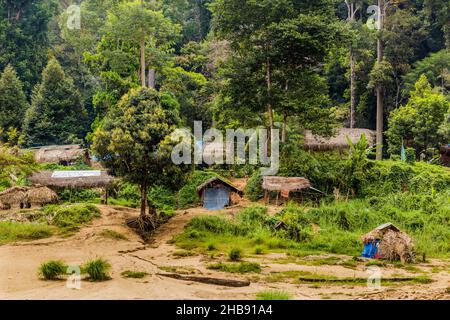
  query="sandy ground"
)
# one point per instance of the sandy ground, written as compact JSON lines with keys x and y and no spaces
{"x":19,"y":263}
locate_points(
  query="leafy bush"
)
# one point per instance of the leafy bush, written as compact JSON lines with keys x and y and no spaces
{"x":163,"y":199}
{"x":52,"y":270}
{"x":81,"y":195}
{"x":73,"y":215}
{"x":235,"y":254}
{"x":253,"y":189}
{"x":97,"y":269}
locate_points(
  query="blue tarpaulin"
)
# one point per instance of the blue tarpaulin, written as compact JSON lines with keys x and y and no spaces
{"x":216,"y":198}
{"x":370,"y":249}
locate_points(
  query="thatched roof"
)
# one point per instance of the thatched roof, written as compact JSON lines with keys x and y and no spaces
{"x":285,"y":183}
{"x":57,"y":154}
{"x":395,"y":244}
{"x":13,"y":196}
{"x":378,"y":232}
{"x":41,"y":195}
{"x":218,"y":180}
{"x":339,"y":141}
{"x":72,"y":179}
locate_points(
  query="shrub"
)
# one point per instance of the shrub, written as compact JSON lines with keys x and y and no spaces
{"x":163,"y":199}
{"x":235,"y":254}
{"x":97,"y":269}
{"x":82,"y":195}
{"x":72,"y":215}
{"x":52,"y":270}
{"x":258,"y":250}
{"x":253,"y":189}
{"x":410,"y":155}
{"x":273,"y":295}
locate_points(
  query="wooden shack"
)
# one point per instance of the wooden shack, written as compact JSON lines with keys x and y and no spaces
{"x":217,"y":193}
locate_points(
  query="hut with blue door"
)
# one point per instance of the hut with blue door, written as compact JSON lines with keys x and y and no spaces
{"x":217,"y":193}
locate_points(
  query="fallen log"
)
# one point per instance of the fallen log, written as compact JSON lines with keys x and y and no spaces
{"x":220,"y":282}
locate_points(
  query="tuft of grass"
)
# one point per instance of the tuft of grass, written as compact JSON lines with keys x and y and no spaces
{"x":211,"y":246}
{"x":235,"y":254}
{"x":258,"y":250}
{"x":273,"y":295}
{"x":15,"y":231}
{"x":134,"y":274}
{"x":243,"y":267}
{"x":97,"y":269}
{"x":52,"y":270}
{"x":111,"y":234}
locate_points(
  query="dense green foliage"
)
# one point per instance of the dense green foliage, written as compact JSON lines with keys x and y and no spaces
{"x":13,"y":103}
{"x":56,"y":114}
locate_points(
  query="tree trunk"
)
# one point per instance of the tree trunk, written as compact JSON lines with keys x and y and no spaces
{"x":379,"y":90}
{"x":352,"y":89}
{"x":151,"y":78}
{"x":283,"y":131}
{"x":269,"y":89}
{"x":143,"y":199}
{"x":351,"y":12}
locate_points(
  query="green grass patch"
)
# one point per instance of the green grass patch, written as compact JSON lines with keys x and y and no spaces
{"x":273,"y":295}
{"x":97,"y":269}
{"x":52,"y":270}
{"x":242,"y":267}
{"x":134,"y":274}
{"x":15,"y":231}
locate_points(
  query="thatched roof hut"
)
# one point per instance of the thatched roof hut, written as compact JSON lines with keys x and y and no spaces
{"x":72,"y":179}
{"x":13,"y":197}
{"x":393,"y":245}
{"x":288,"y":185}
{"x":339,"y":142}
{"x":40,"y":195}
{"x":64,"y":155}
{"x":25,"y":197}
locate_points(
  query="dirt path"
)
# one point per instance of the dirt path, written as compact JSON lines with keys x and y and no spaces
{"x":19,"y":263}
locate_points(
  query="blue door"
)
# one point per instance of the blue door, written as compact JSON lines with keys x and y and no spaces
{"x":216,"y":198}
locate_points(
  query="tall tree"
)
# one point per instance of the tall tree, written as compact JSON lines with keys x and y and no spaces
{"x":13,"y":102}
{"x":24,"y":37}
{"x":266,"y":36}
{"x":133,"y":138}
{"x":56,"y":114}
{"x":419,"y":123}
